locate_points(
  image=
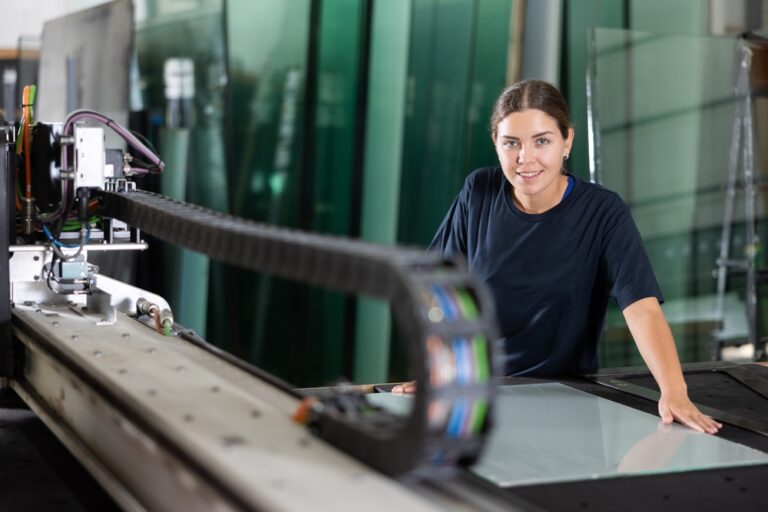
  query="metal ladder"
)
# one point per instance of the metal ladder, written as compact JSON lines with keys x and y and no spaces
{"x":742,"y":140}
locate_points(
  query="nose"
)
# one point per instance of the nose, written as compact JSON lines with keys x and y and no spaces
{"x":522,"y":154}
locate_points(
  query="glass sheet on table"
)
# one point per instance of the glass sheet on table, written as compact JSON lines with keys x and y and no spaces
{"x":550,"y":432}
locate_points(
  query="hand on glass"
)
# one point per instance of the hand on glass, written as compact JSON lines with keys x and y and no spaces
{"x":678,"y":407}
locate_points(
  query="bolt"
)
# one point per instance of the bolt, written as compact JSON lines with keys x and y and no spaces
{"x":232,"y":440}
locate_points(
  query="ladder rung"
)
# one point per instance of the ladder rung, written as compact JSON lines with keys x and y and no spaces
{"x":732,"y":263}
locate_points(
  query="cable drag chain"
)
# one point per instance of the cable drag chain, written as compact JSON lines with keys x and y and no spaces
{"x":444,"y":313}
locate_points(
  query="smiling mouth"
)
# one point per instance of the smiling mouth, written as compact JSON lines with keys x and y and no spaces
{"x":530,"y":174}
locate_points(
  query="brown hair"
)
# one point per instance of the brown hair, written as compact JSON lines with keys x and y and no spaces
{"x":531,"y":94}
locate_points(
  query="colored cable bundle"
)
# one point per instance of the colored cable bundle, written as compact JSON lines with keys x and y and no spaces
{"x":466,"y":360}
{"x":446,"y":302}
{"x":442,"y":367}
{"x":462,"y":361}
{"x":25,"y":139}
{"x":449,"y":304}
{"x":467,"y":417}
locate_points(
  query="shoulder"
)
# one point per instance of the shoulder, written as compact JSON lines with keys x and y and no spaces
{"x":484,"y":179}
{"x":598,"y":197}
{"x":485,"y":174}
{"x":602,"y":209}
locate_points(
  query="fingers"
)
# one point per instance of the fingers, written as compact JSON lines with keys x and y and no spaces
{"x":682,"y":410}
{"x":698,"y":421}
{"x":707,"y":424}
{"x":405,"y":387}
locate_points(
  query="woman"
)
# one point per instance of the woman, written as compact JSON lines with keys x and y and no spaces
{"x":553,"y":248}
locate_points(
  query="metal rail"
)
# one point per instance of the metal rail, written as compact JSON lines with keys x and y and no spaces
{"x":166,"y":426}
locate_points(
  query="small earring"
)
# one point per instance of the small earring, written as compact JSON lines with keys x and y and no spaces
{"x":566,"y":157}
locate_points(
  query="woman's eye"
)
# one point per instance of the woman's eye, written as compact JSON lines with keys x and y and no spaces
{"x":511,"y":144}
{"x":542,"y":141}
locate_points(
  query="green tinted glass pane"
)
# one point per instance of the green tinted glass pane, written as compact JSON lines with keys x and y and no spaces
{"x":293,"y":165}
{"x":187,"y":129}
{"x":267,"y":42}
{"x":492,"y":39}
{"x":336,"y":148}
{"x":457,"y":66}
{"x":439,"y":71}
{"x":385,"y":109}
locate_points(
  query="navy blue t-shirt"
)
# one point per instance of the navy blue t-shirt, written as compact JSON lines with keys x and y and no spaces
{"x":551,"y":273}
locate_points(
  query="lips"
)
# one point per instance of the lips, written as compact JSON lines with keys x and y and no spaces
{"x":528,"y":174}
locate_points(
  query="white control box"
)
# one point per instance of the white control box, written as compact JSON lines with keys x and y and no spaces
{"x":89,"y":157}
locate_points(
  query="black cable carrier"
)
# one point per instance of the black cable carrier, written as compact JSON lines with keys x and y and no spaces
{"x":404,"y":278}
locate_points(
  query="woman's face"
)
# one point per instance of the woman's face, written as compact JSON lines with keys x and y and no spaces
{"x":531,"y":151}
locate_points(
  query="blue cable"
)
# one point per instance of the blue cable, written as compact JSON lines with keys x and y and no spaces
{"x":458,"y":418}
{"x":58,"y":243}
{"x":445,"y":302}
{"x":460,"y":360}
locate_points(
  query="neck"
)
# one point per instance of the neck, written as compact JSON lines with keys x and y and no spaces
{"x":544,"y":201}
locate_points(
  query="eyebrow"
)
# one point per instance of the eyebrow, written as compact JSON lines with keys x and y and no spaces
{"x":533,"y":137}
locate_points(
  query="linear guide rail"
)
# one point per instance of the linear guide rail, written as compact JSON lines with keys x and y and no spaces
{"x":164,"y":425}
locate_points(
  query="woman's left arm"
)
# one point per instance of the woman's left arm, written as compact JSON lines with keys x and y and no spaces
{"x":654,"y":339}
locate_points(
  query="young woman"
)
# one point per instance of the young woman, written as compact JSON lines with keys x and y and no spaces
{"x":554,"y":248}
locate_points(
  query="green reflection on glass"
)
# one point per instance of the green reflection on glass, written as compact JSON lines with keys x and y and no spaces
{"x":335,"y":147}
{"x":457,"y":66}
{"x":267,"y":43}
{"x":188,"y":131}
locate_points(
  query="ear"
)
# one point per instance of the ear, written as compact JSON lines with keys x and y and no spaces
{"x":569,"y":140}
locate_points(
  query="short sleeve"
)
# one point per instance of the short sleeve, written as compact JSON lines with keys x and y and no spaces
{"x":629,"y":271}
